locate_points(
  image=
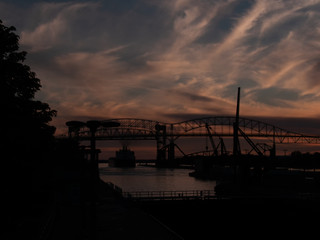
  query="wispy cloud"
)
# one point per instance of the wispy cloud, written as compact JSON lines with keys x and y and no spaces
{"x":53,"y":24}
{"x":152,"y":59}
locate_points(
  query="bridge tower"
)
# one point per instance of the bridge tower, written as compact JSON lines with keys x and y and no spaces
{"x":171,"y":155}
{"x":165,"y":152}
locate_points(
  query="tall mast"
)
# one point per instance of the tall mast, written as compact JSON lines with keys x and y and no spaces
{"x":236,"y":146}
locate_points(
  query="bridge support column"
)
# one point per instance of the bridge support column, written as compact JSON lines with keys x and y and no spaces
{"x":171,"y":155}
{"x":161,"y":137}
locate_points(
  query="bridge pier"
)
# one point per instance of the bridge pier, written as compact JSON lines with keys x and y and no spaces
{"x":165,"y":152}
{"x":161,"y":139}
{"x":171,"y":155}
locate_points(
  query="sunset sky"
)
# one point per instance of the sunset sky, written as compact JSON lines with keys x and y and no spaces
{"x":173,"y":60}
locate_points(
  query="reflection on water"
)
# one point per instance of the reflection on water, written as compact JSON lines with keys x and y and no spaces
{"x":144,"y":178}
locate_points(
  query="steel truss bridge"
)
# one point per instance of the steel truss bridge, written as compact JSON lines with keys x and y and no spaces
{"x":142,"y":129}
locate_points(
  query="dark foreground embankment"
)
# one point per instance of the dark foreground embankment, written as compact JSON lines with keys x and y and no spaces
{"x":107,"y":218}
{"x":249,"y":218}
{"x":115,"y":218}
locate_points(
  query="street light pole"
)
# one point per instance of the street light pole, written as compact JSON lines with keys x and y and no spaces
{"x":94,"y":175}
{"x":93,"y":125}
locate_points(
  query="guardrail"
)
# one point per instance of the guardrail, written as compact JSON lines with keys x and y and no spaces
{"x":204,"y":195}
{"x":170,"y":195}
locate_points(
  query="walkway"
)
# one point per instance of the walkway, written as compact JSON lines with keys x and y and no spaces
{"x":114,"y":220}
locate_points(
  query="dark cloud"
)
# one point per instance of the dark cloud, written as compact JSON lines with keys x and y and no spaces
{"x":133,"y":93}
{"x":193,"y":96}
{"x":313,"y":7}
{"x":245,"y":84}
{"x":273,"y":96}
{"x":303,"y":125}
{"x":223,"y":22}
{"x":314,"y":75}
{"x":180,"y":117}
{"x":282,"y":29}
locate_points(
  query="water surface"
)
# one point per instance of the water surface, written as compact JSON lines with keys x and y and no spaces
{"x":144,"y":178}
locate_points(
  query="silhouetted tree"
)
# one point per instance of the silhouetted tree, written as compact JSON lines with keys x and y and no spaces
{"x":26,"y":136}
{"x":24,"y":121}
{"x":296,"y":154}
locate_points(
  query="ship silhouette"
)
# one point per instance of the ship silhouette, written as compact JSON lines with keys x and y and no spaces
{"x":124,"y":158}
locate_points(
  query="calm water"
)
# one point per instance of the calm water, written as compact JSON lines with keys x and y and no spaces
{"x":144,"y":178}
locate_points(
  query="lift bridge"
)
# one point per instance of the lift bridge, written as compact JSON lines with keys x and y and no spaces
{"x":166,"y":134}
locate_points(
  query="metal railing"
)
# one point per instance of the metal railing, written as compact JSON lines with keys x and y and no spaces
{"x":206,"y":195}
{"x":170,"y":195}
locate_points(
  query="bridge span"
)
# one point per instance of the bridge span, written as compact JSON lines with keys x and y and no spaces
{"x":142,"y":129}
{"x":215,"y":128}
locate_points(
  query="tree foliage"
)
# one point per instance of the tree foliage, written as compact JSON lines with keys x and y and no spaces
{"x":25,"y":121}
